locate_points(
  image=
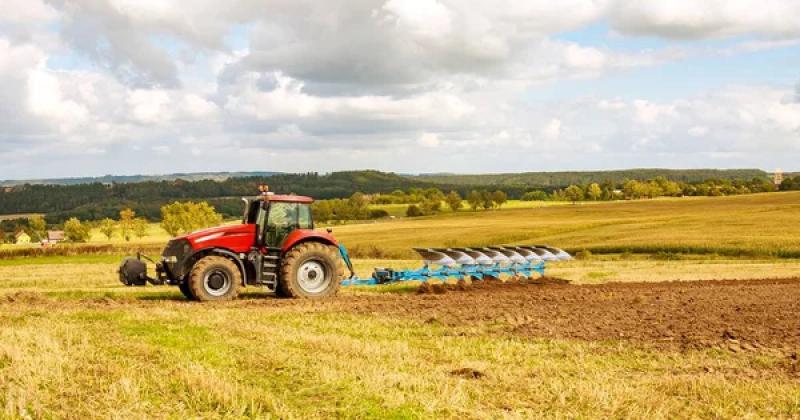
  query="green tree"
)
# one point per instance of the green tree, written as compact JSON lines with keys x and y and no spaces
{"x":668,"y":188}
{"x":475,"y":200}
{"x":486,"y":200}
{"x":431,"y":206}
{"x":139,"y":227}
{"x":378,"y":214}
{"x":126,"y":217}
{"x":76,"y":231}
{"x":499,"y":198}
{"x":38,"y":226}
{"x":632,"y":189}
{"x":107,"y":227}
{"x":322,"y":210}
{"x":177,"y":218}
{"x":594,"y":192}
{"x":653,"y":190}
{"x":359,"y":206}
{"x":573,"y":193}
{"x":434,"y":194}
{"x":536,"y":195}
{"x":413,"y":211}
{"x":454,"y":200}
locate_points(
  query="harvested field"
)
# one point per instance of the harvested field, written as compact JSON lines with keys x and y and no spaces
{"x":736,"y":314}
{"x":655,"y":350}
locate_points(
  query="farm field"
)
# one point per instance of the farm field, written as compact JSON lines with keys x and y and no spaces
{"x":748,"y":225}
{"x":757,"y":224}
{"x":75,"y":343}
{"x":623,"y":338}
{"x":399,"y":210}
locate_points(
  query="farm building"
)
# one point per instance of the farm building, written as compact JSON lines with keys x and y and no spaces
{"x":22,"y":238}
{"x":54,"y":236}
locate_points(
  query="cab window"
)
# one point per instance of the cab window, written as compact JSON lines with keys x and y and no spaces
{"x":304,"y":217}
{"x":281,"y":221}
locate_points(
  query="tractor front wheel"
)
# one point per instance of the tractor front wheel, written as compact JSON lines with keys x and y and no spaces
{"x":214,"y":278}
{"x":311,"y":270}
{"x":186,"y":290}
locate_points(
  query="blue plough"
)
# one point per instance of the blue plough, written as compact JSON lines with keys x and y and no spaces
{"x":474,"y":264}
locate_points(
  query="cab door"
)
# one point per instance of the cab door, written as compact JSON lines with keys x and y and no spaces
{"x":282,"y":219}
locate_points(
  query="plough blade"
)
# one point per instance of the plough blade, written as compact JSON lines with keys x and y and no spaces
{"x":474,"y":264}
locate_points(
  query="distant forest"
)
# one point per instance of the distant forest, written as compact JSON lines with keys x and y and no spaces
{"x":124,"y":179}
{"x":95,"y":201}
{"x":555,"y":180}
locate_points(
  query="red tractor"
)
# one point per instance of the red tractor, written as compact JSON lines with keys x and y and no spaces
{"x":275,"y":246}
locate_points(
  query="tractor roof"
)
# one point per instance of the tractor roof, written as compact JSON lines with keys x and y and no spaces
{"x":287,"y":198}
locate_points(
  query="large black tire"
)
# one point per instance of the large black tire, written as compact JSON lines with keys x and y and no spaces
{"x":311,"y":270}
{"x":186,"y":290}
{"x":215,"y":278}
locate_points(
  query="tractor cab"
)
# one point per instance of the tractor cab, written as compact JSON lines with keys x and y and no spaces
{"x":277,"y":216}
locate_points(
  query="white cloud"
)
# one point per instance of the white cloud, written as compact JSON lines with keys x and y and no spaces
{"x":149,"y":106}
{"x":161,"y":150}
{"x":198,"y":107}
{"x":649,"y":113}
{"x":429,"y":140}
{"x":287,"y":101}
{"x":269,"y":83}
{"x":552,"y":130}
{"x":45,"y":98}
{"x":686,"y":19}
{"x":427,"y":18}
{"x":697,"y":131}
{"x":27,"y":11}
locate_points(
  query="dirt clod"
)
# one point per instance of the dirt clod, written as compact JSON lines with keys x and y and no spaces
{"x":468,"y":373}
{"x":425,"y":288}
{"x":24,"y":297}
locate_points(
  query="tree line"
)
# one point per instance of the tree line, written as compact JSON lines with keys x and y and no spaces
{"x":98,"y":201}
{"x":176,"y":218}
{"x":421,"y":202}
{"x":658,"y":187}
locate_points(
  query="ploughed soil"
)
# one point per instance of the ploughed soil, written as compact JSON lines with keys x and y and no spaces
{"x":733,"y":314}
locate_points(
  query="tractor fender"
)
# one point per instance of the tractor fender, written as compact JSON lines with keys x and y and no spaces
{"x":299,"y":236}
{"x":224,"y":253}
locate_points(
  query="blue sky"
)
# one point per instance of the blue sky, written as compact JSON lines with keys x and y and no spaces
{"x":146,"y":86}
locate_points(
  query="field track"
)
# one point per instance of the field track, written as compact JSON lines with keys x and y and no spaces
{"x":736,"y":314}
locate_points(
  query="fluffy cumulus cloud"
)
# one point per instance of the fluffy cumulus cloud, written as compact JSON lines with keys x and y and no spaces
{"x":132,"y":86}
{"x":709,"y":18}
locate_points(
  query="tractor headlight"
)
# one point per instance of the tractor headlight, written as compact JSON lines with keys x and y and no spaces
{"x":171,"y":259}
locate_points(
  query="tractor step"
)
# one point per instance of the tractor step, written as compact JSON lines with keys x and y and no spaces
{"x":268,"y":265}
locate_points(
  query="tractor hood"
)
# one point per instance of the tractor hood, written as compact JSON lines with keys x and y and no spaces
{"x":237,"y":238}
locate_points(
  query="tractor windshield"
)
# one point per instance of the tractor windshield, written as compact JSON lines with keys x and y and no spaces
{"x":284,"y":218}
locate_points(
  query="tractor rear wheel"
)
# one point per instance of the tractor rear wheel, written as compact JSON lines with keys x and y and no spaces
{"x":214,"y":278}
{"x":311,"y":270}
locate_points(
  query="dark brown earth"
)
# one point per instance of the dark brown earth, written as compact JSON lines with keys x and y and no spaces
{"x":735,"y":314}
